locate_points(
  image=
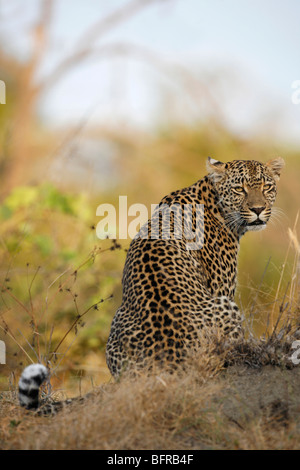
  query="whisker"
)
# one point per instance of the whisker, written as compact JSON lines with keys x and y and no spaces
{"x":233,"y":220}
{"x":279,"y":213}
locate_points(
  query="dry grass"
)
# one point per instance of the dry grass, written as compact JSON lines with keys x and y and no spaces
{"x":207,"y":406}
{"x":159,"y":412}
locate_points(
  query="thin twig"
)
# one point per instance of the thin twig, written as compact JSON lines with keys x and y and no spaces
{"x":259,"y":287}
{"x":10,"y":334}
{"x":36,"y":333}
{"x":281,"y":275}
{"x":75,"y":323}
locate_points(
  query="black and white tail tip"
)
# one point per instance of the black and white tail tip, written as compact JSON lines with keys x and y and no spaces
{"x":30,"y":381}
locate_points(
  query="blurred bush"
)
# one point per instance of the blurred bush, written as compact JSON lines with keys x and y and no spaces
{"x":53,"y":269}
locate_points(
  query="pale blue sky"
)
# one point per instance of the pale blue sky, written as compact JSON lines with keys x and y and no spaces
{"x":245,"y":52}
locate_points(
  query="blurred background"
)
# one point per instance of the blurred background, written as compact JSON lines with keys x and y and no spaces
{"x":130,"y":97}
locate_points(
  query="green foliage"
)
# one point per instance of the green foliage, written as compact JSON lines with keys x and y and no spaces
{"x":55,"y":277}
{"x":46,"y":197}
{"x":21,"y":198}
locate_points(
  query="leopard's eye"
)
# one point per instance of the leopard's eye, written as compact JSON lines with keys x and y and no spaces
{"x":238,"y":189}
{"x":267,"y":187}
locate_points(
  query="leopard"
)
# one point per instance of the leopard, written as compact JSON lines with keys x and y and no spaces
{"x":179,"y":280}
{"x":180,"y":273}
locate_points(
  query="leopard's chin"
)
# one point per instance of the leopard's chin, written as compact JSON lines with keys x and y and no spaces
{"x":256,"y":227}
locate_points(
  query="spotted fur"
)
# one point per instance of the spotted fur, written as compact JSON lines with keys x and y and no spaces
{"x":171,"y":293}
{"x":30,"y":381}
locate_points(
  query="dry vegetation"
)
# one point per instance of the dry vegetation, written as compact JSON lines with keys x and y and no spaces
{"x":241,"y":397}
{"x":60,"y":285}
{"x":206,"y":407}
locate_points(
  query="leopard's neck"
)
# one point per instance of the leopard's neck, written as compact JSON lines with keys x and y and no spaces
{"x":213,"y":205}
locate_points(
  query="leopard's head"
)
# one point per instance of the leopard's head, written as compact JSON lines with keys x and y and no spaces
{"x":246,"y":191}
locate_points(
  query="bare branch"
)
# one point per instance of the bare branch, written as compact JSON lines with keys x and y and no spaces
{"x":196,"y":89}
{"x":110,"y":21}
{"x":75,"y":323}
{"x":83,"y":47}
{"x":40,"y":31}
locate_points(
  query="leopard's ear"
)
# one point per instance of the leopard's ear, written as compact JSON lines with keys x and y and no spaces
{"x":275,"y":166}
{"x":215,"y":168}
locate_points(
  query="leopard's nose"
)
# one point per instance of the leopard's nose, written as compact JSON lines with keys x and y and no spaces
{"x":257,"y":210}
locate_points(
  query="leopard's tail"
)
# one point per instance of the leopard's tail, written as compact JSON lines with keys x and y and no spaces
{"x":29,"y":384}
